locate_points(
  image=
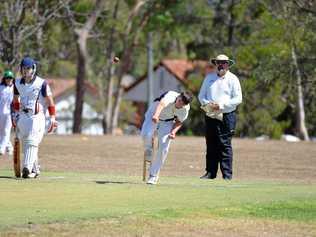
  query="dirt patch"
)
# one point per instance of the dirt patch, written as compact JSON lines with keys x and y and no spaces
{"x":122,"y":155}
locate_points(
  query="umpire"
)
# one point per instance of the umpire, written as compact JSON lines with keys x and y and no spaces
{"x":221,"y":93}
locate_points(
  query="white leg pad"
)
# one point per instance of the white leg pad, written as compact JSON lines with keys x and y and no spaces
{"x":30,"y":156}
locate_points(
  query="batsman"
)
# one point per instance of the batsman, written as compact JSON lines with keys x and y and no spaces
{"x":32,"y":95}
{"x":165,"y":116}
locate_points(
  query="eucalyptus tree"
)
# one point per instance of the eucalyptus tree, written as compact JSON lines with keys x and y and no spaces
{"x":20,"y":21}
{"x":82,"y":27}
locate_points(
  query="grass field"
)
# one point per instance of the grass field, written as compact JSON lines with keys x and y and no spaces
{"x":91,"y":186}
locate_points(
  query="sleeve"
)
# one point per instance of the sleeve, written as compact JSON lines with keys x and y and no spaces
{"x":236,"y":96}
{"x":203,"y":93}
{"x":169,"y":98}
{"x":45,"y":90}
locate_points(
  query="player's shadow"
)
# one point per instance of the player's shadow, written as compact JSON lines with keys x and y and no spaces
{"x":112,"y":182}
{"x":7,"y":177}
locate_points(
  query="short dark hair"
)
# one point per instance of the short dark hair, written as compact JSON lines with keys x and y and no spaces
{"x":186,"y":97}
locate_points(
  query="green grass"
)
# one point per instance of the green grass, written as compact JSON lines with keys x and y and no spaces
{"x":73,"y":197}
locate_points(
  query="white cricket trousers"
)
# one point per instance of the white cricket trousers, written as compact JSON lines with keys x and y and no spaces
{"x":31,"y":132}
{"x":163,"y":130}
{"x":5,"y":131}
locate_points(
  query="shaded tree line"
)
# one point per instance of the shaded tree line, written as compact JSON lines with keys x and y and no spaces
{"x":273,"y":43}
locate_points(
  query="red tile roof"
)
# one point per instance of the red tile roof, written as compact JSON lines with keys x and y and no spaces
{"x":180,"y":68}
{"x":61,"y":86}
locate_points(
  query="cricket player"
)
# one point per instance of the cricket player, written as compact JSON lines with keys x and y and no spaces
{"x":6,"y":98}
{"x":165,"y":116}
{"x":32,"y":95}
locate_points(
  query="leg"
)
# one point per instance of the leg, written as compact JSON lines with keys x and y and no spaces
{"x":147,"y":133}
{"x":212,"y":158}
{"x":30,"y":158}
{"x":164,"y":129}
{"x":5,"y":121}
{"x":32,"y":130}
{"x":227,"y":131}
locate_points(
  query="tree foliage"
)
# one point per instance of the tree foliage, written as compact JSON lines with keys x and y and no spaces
{"x":258,"y":34}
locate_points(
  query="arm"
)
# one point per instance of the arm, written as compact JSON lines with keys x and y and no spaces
{"x":52,"y":113}
{"x":175,"y":129}
{"x":203,"y":93}
{"x":158,"y":110}
{"x":15,"y":110}
{"x":51,"y":106}
{"x":236,"y":96}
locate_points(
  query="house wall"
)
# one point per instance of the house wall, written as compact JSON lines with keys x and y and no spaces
{"x":65,"y":106}
{"x":163,"y":81}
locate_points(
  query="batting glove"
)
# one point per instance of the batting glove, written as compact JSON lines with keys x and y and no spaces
{"x":15,"y":118}
{"x":52,"y":125}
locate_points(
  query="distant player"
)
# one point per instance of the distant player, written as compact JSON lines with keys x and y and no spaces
{"x":6,"y":98}
{"x":32,"y":95}
{"x":165,"y":115}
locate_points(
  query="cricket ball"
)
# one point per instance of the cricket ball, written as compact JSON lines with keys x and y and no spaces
{"x":116,"y":59}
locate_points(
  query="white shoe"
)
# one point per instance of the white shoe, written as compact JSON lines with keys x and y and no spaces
{"x":33,"y":175}
{"x":9,"y":151}
{"x":148,"y":153}
{"x":152,"y":180}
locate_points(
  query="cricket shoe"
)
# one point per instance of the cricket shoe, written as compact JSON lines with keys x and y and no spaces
{"x":25,"y":173}
{"x":153,"y":180}
{"x":33,"y":175}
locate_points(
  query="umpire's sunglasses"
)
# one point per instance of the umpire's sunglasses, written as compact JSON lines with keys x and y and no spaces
{"x":221,"y":62}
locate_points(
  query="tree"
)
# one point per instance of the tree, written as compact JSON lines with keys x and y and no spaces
{"x":81,"y":35}
{"x":18,"y":25}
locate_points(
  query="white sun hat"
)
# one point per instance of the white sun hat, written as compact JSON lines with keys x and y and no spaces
{"x":222,"y":57}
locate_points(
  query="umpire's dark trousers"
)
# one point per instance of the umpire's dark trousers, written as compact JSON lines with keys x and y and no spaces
{"x":218,"y":144}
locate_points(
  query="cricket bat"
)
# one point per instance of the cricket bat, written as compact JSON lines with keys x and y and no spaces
{"x":16,"y":157}
{"x":145,"y":162}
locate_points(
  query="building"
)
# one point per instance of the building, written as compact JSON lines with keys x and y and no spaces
{"x":64,"y":96}
{"x":169,"y":74}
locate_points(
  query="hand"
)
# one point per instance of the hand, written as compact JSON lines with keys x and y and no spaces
{"x":15,"y":118}
{"x":52,"y":125}
{"x":172,"y":135}
{"x":214,"y":106}
{"x":155,"y":119}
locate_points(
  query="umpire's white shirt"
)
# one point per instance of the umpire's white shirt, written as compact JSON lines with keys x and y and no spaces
{"x":225,"y":91}
{"x":170,"y":111}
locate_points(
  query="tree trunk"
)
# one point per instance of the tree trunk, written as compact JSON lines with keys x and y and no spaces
{"x":300,"y":114}
{"x":82,"y":62}
{"x":80,"y":86}
{"x":231,"y":24}
{"x":129,"y":43}
{"x":150,"y":74}
{"x":109,"y":76}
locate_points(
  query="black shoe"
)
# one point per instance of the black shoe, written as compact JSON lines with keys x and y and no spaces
{"x":207,"y":175}
{"x":25,"y":173}
{"x":227,"y":178}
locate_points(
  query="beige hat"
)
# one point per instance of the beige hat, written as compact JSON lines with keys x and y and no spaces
{"x":222,"y":57}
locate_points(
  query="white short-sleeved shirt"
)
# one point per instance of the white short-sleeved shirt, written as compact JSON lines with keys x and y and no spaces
{"x":170,"y":111}
{"x":6,"y":98}
{"x":31,"y":93}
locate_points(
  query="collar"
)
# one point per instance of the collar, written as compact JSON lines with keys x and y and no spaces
{"x":23,"y":82}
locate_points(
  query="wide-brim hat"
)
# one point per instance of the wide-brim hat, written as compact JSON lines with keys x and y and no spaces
{"x":222,"y":57}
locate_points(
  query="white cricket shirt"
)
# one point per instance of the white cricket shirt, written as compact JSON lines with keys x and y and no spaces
{"x":170,"y":111}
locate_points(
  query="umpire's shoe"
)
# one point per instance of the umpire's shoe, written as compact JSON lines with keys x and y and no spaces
{"x":207,"y":175}
{"x":25,"y":173}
